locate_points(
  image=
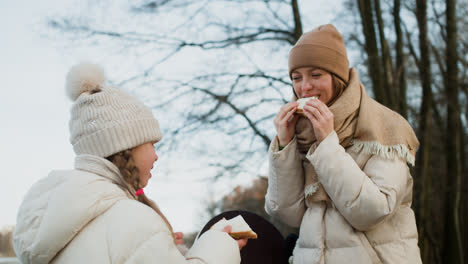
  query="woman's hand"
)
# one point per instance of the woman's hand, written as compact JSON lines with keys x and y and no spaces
{"x":285,"y":122}
{"x":321,"y":117}
{"x":240,"y":242}
{"x":178,"y":238}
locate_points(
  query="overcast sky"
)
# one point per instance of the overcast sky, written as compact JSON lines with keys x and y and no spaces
{"x":33,"y":108}
{"x":34,"y":113}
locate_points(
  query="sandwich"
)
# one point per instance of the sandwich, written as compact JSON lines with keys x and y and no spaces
{"x":302,"y":102}
{"x":240,"y":228}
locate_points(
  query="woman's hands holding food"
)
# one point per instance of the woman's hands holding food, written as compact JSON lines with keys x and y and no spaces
{"x":321,"y":117}
{"x":285,"y":123}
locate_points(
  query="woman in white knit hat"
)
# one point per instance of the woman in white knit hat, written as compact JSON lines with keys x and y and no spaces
{"x":98,"y":212}
{"x":340,"y":172}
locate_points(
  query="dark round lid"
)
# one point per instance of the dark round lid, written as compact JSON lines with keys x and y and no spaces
{"x":267,"y":248}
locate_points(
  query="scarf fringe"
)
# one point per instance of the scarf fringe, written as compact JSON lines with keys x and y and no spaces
{"x":387,"y":152}
{"x":311,"y":189}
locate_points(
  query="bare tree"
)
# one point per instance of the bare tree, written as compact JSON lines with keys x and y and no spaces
{"x":435,"y":186}
{"x":425,"y":133}
{"x":234,"y":100}
{"x":385,"y":58}
{"x":453,"y":241}
{"x":400,"y":67}
{"x":374,"y":60}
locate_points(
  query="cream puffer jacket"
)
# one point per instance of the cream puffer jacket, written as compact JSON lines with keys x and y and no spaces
{"x":86,"y":216}
{"x":370,"y":219}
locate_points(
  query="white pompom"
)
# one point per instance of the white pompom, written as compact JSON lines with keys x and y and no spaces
{"x":83,"y":77}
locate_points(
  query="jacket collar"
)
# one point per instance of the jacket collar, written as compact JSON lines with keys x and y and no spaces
{"x":104,"y":168}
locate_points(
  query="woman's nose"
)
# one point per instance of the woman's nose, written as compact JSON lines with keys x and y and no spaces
{"x":306,"y":84}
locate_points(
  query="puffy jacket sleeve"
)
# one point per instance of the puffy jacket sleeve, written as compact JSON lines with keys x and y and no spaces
{"x":139,"y":235}
{"x":213,"y":247}
{"x":285,"y":194}
{"x":364,"y":197}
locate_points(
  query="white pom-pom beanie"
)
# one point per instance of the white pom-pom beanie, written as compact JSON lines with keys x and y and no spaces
{"x":105,"y":120}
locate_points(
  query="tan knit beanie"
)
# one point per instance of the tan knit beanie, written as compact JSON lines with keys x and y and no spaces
{"x":323,"y":48}
{"x":105,"y":120}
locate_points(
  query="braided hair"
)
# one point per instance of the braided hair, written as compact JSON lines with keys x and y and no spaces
{"x":125,"y":162}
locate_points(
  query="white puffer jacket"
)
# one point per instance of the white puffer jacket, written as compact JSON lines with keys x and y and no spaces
{"x":85,"y":216}
{"x":370,"y":219}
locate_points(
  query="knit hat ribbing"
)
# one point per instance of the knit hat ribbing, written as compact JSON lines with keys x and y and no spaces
{"x":105,"y":120}
{"x":323,"y":48}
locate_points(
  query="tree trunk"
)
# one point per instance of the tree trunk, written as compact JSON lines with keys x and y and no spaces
{"x":386,"y":60}
{"x":453,"y":248}
{"x":375,"y":72}
{"x":464,"y":189}
{"x":400,"y":68}
{"x":424,"y":171}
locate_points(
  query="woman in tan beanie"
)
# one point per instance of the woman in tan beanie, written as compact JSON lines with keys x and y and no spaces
{"x":98,"y":212}
{"x":340,"y":171}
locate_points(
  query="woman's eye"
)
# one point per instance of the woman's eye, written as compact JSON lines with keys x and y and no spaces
{"x":296,"y":78}
{"x":316,"y":75}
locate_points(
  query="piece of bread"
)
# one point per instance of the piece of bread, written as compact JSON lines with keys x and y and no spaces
{"x":240,"y":228}
{"x":302,"y":102}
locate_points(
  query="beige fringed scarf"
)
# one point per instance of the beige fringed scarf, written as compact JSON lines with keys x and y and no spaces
{"x":362,"y":124}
